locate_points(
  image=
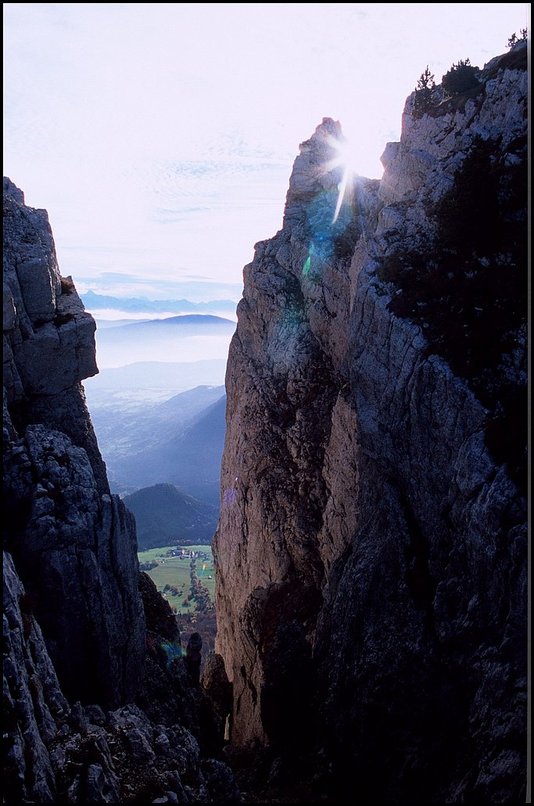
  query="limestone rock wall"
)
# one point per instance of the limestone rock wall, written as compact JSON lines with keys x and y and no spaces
{"x":56,"y":752}
{"x":48,"y":337}
{"x":34,"y":704}
{"x":73,"y":544}
{"x":371,"y":554}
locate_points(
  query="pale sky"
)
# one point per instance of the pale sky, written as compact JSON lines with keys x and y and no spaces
{"x":160,"y":137}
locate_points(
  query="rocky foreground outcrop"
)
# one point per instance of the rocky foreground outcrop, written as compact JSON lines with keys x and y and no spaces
{"x":61,"y":752}
{"x":371,"y":549}
{"x":98,"y":706}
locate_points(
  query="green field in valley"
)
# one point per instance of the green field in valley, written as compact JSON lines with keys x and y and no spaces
{"x":175,"y":571}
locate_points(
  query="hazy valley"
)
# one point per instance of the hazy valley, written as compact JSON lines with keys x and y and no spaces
{"x":191,"y":337}
{"x":163,"y":422}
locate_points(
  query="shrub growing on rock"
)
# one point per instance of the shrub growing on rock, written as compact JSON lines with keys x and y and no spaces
{"x":423,"y":93}
{"x":462,"y":77}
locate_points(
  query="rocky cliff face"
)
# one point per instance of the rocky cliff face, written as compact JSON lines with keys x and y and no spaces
{"x":371,"y":550}
{"x":74,"y":545}
{"x":58,"y":752}
{"x":98,"y":707}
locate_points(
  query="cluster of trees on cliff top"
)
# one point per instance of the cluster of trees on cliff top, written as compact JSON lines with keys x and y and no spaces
{"x":463,"y":77}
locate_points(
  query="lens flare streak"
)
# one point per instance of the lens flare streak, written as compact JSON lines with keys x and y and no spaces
{"x":344,"y":159}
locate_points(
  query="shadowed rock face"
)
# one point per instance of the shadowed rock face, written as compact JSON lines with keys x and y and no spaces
{"x":371,"y":551}
{"x":34,"y":704}
{"x":73,"y":544}
{"x":60,"y":753}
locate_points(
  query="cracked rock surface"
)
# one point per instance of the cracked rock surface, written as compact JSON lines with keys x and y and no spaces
{"x":371,"y":553}
{"x":73,"y":544}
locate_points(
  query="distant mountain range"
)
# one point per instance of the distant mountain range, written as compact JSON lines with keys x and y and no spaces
{"x":94,"y":301}
{"x":164,"y":516}
{"x":189,"y":324}
{"x":175,"y":338}
{"x":185,"y":320}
